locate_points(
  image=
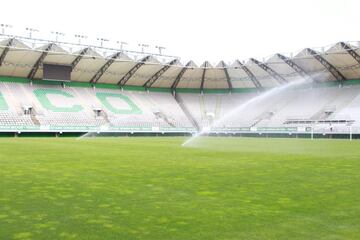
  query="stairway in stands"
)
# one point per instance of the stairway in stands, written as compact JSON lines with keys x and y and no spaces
{"x":186,"y":111}
{"x":335,"y":105}
{"x":105,"y":116}
{"x":165,"y":119}
{"x":34,"y":120}
{"x":266,"y":116}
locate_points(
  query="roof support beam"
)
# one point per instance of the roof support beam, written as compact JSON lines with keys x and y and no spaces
{"x":350,"y":51}
{"x":252,"y":77}
{"x":104,"y":67}
{"x":40,"y":61}
{"x":179,"y":76}
{"x":158,"y":74}
{"x":228,"y":80}
{"x":336,"y":73}
{"x":270,"y":71}
{"x":206,"y":64}
{"x":6,"y":50}
{"x":132,"y":71}
{"x":294,"y":66}
{"x":79,"y":57}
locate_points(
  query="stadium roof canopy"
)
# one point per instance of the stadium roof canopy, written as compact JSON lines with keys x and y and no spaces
{"x":24,"y":57}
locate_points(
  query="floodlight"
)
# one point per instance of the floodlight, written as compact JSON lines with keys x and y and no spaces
{"x":57,"y":34}
{"x":4,"y":26}
{"x":160,"y":49}
{"x":31,"y":30}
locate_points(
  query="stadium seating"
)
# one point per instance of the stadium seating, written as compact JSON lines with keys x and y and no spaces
{"x":303,"y":105}
{"x":25,"y":106}
{"x":57,"y":108}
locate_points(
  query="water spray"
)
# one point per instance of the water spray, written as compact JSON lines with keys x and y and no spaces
{"x":240,"y":108}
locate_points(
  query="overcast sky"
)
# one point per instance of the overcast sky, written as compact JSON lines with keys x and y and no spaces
{"x":199,"y":30}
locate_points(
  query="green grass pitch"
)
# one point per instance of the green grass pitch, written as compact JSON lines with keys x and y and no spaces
{"x":152,"y":188}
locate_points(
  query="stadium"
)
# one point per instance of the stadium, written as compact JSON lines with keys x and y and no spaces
{"x":103,"y":142}
{"x":48,"y":89}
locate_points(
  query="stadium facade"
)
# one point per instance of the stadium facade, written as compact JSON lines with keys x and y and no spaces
{"x":58,"y":87}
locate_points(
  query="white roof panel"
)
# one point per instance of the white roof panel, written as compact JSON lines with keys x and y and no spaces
{"x":313,"y":67}
{"x":191,"y":78}
{"x":262,"y":76}
{"x":167,"y":79}
{"x":343,"y":62}
{"x":19,"y":62}
{"x":215,"y":78}
{"x":86,"y":69}
{"x":238,"y":76}
{"x":282,"y":68}
{"x":116,"y":71}
{"x":143,"y":74}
